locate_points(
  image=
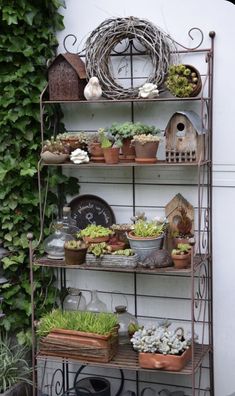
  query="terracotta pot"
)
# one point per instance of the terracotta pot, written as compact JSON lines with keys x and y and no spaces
{"x":177,"y":240}
{"x":96,"y":152}
{"x":128,"y":150}
{"x":111,"y":155}
{"x":164,"y":362}
{"x":146,"y":153}
{"x":181,"y":260}
{"x":75,"y":256}
{"x":96,"y":240}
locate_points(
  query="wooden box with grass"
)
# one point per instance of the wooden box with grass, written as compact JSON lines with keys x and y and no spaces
{"x":87,"y":336}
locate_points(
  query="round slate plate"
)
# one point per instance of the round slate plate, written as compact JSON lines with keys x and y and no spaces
{"x":90,"y":209}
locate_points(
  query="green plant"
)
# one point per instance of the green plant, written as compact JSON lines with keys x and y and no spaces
{"x":77,"y":245}
{"x":145,"y":138}
{"x":107,"y":140}
{"x":124,"y":252}
{"x":99,"y":249}
{"x":14,"y":367}
{"x":91,"y":322}
{"x":54,"y":145}
{"x":94,"y":231}
{"x":144,"y":228}
{"x":129,"y":129}
{"x":181,"y":80}
{"x":27,"y":41}
{"x":182,"y":249}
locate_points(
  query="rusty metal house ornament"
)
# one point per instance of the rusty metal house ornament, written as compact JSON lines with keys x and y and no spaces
{"x":67,"y":78}
{"x":185,"y":138}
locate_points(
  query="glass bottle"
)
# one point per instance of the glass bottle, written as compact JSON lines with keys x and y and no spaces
{"x":96,"y":305}
{"x":54,"y":243}
{"x":74,"y":301}
{"x":69,"y":221}
{"x":124,"y":320}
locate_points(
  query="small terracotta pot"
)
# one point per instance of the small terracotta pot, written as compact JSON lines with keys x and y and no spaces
{"x":75,"y":256}
{"x":181,"y":260}
{"x":96,"y":152}
{"x":164,"y":362}
{"x":128,"y":150}
{"x":146,"y":153}
{"x":96,"y":240}
{"x":111,"y":155}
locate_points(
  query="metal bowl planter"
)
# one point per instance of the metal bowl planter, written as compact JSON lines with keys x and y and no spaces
{"x":144,"y":246}
{"x":54,"y":158}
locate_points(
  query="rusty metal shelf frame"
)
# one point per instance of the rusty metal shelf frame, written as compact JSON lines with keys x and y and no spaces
{"x":201,"y":285}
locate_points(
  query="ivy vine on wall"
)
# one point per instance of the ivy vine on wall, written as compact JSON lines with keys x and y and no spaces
{"x":27,"y":41}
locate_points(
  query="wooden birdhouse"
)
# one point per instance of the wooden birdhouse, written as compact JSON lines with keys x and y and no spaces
{"x":67,"y":78}
{"x":185,"y":138}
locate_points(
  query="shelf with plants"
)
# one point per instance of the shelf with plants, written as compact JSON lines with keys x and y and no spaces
{"x":199,"y":272}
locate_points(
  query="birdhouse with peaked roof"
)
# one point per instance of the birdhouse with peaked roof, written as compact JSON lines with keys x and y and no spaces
{"x":67,"y":78}
{"x":185,"y":138}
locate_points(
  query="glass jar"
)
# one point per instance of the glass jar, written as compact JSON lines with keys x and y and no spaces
{"x":69,"y":221}
{"x":96,"y":305}
{"x":54,"y":243}
{"x":124,"y":320}
{"x":74,"y":300}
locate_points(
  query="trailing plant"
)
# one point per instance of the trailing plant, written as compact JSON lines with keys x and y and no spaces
{"x":14,"y":366}
{"x":99,"y":249}
{"x":86,"y":321}
{"x":27,"y":42}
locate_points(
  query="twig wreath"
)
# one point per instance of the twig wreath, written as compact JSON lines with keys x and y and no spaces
{"x":103,"y":40}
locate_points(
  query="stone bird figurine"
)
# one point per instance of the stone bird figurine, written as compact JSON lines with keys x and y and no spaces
{"x":92,"y":90}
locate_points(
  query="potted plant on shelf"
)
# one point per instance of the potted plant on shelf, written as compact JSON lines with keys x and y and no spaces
{"x":181,"y":255}
{"x":110,"y":145}
{"x":95,"y":234}
{"x":183,"y":232}
{"x":54,"y":152}
{"x":94,"y":148}
{"x":125,"y":133}
{"x":183,"y":81}
{"x":75,"y":252}
{"x":161,"y":348}
{"x":15,"y":370}
{"x":147,"y":237}
{"x":73,"y":140}
{"x":92,"y":336}
{"x":102,"y":254}
{"x":146,"y":146}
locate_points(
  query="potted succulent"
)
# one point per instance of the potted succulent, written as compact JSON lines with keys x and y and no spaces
{"x":91,"y":336}
{"x":183,"y":81}
{"x":73,"y":140}
{"x":181,"y":255}
{"x":54,"y":152}
{"x":95,"y":149}
{"x":146,"y":146}
{"x":75,"y":252}
{"x":95,"y":234}
{"x":161,"y":348}
{"x":102,"y":254}
{"x":125,"y":133}
{"x":183,"y":232}
{"x":110,"y":145}
{"x":147,"y":237}
{"x":15,"y":370}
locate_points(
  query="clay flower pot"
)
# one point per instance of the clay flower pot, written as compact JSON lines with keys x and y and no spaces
{"x":128,"y":150}
{"x":146,"y":152}
{"x":159,"y":361}
{"x":111,"y":155}
{"x":96,"y":240}
{"x":75,"y":256}
{"x":96,"y":152}
{"x":181,"y":260}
